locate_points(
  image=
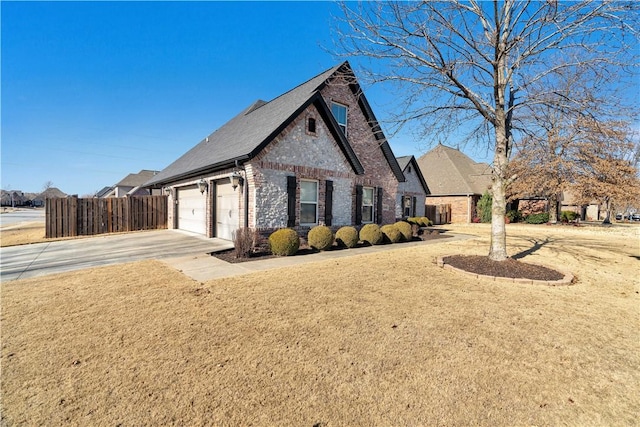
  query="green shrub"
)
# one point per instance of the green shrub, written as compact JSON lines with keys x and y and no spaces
{"x":284,"y":242}
{"x":539,"y":218}
{"x":371,"y":234}
{"x":347,"y":237}
{"x":391,"y":233}
{"x":405,"y":229}
{"x":567,"y":216}
{"x":484,"y":207}
{"x":426,"y":222}
{"x":320,"y":237}
{"x":514,"y":216}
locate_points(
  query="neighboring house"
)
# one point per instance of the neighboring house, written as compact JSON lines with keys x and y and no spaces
{"x":105,"y":192}
{"x":411,"y":197}
{"x":49,"y":193}
{"x":566,"y":202}
{"x":13,"y":198}
{"x":132,"y":185}
{"x":454,"y":179}
{"x":313,"y":155}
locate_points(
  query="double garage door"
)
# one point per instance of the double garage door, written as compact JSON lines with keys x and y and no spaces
{"x":192,"y":210}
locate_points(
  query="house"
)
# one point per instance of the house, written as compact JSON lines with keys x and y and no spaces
{"x":105,"y":192}
{"x":49,"y":193}
{"x":131,"y":185}
{"x":313,"y":155}
{"x":13,"y":198}
{"x":411,"y":197}
{"x":454,"y":179}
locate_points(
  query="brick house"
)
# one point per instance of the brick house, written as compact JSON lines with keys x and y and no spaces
{"x":454,"y":179}
{"x":412,"y":193}
{"x":313,"y":155}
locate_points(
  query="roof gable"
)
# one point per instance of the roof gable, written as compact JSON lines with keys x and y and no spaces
{"x":448,"y":171}
{"x":406,"y":161}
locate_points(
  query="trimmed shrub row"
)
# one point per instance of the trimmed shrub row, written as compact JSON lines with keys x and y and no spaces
{"x":286,"y":242}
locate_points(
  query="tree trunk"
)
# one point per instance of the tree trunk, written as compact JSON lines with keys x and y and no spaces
{"x":498,"y":249}
{"x":607,"y":212}
{"x":553,"y":208}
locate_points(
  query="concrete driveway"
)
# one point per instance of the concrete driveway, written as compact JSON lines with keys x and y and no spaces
{"x":20,"y":262}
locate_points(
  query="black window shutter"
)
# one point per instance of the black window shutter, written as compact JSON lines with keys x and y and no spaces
{"x":291,"y":201}
{"x":415,"y":202}
{"x":328,"y":203}
{"x":358,"y":204}
{"x":379,"y":206}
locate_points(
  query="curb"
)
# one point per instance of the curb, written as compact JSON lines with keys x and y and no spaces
{"x":567,"y":280}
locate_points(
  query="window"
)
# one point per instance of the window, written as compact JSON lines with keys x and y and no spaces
{"x":340,"y":113}
{"x":308,"y":202}
{"x":311,"y":125}
{"x":367,"y":204}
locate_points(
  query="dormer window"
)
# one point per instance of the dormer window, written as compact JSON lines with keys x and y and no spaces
{"x":340,"y":113}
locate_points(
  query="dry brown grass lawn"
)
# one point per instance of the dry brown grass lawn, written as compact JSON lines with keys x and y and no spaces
{"x":381,"y":339}
{"x":23,"y":233}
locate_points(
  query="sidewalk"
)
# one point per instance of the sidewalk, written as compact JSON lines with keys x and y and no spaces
{"x":206,"y":267}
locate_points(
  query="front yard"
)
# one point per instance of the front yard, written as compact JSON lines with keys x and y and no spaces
{"x":378,"y":339}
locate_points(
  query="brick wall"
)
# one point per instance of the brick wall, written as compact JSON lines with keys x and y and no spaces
{"x":459,"y":206}
{"x":367,"y":148}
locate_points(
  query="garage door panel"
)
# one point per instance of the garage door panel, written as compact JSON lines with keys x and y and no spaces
{"x":227,"y":210}
{"x":192,"y":210}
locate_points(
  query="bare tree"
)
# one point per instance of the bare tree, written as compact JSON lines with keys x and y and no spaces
{"x":473,"y":64}
{"x":606,"y":165}
{"x":47,"y":185}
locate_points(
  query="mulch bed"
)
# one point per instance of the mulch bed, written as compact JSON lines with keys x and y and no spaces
{"x":509,"y":268}
{"x":263,"y":252}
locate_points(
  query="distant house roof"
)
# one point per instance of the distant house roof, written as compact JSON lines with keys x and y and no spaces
{"x":406,"y":161}
{"x":249,"y":132}
{"x":50,"y":193}
{"x":136,"y":179}
{"x":106,"y":191}
{"x":450,"y":172}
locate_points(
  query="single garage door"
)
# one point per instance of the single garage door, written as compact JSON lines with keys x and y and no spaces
{"x":227,"y":210}
{"x":192,"y":210}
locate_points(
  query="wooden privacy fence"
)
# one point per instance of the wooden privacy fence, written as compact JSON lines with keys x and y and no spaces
{"x":439,"y":214}
{"x":71,"y":216}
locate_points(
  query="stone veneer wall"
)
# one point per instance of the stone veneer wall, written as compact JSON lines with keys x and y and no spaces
{"x":411,"y":187}
{"x":307,"y":156}
{"x":378,"y":173}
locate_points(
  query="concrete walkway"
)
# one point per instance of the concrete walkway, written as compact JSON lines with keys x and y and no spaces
{"x":205,"y":267}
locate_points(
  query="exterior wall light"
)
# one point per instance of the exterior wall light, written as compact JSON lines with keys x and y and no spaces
{"x":236,"y":180}
{"x":203,"y":186}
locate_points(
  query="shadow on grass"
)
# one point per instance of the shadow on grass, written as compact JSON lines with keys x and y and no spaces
{"x":537,"y":245}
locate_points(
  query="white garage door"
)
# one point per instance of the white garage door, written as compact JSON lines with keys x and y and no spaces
{"x":192,"y":210}
{"x":227,"y":210}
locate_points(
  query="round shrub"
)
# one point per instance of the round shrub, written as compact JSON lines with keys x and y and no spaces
{"x":391,"y":233}
{"x":284,"y":242}
{"x":539,"y":218}
{"x":405,"y":229}
{"x":426,"y":222}
{"x":347,"y":237}
{"x":320,"y":238}
{"x":371,"y":234}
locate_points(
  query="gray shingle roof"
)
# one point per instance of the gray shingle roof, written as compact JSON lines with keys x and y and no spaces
{"x":246,"y":133}
{"x":450,"y":172}
{"x":136,"y":179}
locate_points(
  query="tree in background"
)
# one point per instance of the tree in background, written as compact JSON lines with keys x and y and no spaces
{"x":474,"y":64}
{"x":606,"y":165}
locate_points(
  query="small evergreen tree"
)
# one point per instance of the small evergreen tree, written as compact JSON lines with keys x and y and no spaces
{"x":484,"y":207}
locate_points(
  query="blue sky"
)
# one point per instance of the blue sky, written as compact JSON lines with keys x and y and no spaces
{"x":94,"y":91}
